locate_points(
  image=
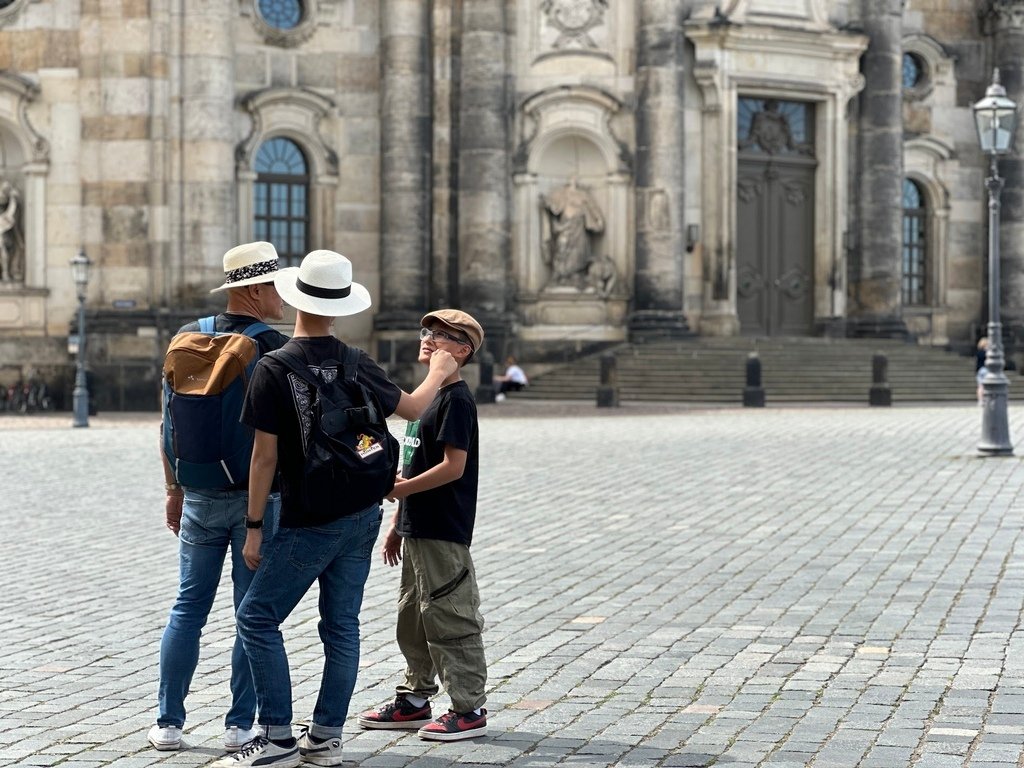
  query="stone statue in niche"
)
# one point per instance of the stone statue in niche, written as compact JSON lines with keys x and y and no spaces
{"x":574,"y":19}
{"x":573,"y":217}
{"x":12,"y":239}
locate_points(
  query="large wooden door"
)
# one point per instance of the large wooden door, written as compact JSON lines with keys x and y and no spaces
{"x":775,"y":223}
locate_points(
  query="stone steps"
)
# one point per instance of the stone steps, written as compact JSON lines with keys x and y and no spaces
{"x":793,"y":370}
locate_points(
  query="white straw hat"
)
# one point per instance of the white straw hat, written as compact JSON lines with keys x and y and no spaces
{"x":322,"y":285}
{"x":248,"y":264}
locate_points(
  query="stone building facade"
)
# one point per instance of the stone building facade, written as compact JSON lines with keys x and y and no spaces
{"x":574,"y":172}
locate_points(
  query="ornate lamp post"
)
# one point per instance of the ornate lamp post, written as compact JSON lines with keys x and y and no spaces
{"x":995,"y":117}
{"x":80,"y":396}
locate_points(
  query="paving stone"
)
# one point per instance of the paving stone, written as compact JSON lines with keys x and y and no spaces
{"x":724,"y":586}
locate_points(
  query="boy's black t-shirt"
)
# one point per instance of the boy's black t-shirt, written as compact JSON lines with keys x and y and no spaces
{"x":449,"y":511}
{"x":280,"y":403}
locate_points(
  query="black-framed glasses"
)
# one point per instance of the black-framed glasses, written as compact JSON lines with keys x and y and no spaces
{"x":436,"y":335}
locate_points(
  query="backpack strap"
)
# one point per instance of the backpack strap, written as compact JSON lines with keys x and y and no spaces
{"x":256,"y":329}
{"x":208,"y":324}
{"x":296,"y":366}
{"x":351,"y":363}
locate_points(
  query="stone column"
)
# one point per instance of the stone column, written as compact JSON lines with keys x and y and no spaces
{"x":875,"y":303}
{"x":208,"y":137}
{"x":484,"y":232}
{"x":660,"y":177}
{"x":405,"y":164}
{"x":1006,"y":25}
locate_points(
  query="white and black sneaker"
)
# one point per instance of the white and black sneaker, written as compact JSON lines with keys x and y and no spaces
{"x":320,"y":751}
{"x":261,"y":752}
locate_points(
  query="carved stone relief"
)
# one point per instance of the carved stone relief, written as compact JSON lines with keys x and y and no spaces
{"x":573,"y":21}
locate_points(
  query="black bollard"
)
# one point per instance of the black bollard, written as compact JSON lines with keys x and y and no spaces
{"x":753,"y":392}
{"x":608,"y":392}
{"x":880,"y":393}
{"x":485,"y":389}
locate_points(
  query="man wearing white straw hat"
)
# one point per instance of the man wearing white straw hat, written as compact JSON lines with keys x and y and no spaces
{"x":209,"y":522}
{"x":315,"y":543}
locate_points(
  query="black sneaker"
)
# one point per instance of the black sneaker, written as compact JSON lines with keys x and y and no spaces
{"x":261,"y":752}
{"x":397,"y":714}
{"x":454,"y":727}
{"x":320,"y":751}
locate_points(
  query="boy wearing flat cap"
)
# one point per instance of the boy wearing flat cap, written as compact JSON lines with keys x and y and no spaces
{"x":439,"y":622}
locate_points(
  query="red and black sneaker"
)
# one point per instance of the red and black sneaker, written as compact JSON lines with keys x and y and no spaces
{"x":453,"y":726}
{"x":397,"y":714}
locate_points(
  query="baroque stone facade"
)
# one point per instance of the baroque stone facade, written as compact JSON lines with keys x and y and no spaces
{"x":574,"y":172}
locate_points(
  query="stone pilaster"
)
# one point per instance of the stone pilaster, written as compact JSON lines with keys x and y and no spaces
{"x":207,"y":140}
{"x":1006,"y":27}
{"x":405,"y":163}
{"x":660,"y":176}
{"x":484,"y":232}
{"x":875,"y":303}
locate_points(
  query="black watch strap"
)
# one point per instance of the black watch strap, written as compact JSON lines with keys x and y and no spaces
{"x":253,"y":523}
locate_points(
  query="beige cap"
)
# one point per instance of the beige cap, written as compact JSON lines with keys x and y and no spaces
{"x":459,"y":321}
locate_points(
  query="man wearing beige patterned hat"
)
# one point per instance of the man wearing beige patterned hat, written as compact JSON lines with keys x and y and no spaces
{"x":210,"y":521}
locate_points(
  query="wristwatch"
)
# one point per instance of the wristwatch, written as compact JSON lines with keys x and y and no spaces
{"x":253,"y":523}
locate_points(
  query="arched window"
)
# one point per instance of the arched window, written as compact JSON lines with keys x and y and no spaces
{"x":915,"y":245}
{"x":281,"y":212}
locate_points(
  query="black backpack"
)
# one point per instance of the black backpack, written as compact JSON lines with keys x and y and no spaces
{"x":351,"y":457}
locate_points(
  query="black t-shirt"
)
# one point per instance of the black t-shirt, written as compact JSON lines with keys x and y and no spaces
{"x":268,"y":341}
{"x":449,"y":511}
{"x":280,"y":403}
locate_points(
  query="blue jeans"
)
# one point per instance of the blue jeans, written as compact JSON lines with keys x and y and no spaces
{"x":337,"y":555}
{"x":211,"y":523}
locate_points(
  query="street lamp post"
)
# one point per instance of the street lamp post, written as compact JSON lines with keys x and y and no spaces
{"x":80,"y":396}
{"x":995,"y":117}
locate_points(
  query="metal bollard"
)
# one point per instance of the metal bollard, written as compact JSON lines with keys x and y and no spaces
{"x":608,"y":392}
{"x":753,"y":392}
{"x":485,"y":389}
{"x":880,"y":393}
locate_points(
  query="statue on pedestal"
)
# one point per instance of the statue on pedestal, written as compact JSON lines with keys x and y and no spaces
{"x":573,"y":216}
{"x":12,"y":240}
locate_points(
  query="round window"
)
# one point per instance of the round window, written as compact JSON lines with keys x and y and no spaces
{"x":280,"y":14}
{"x":5,"y":3}
{"x":913,"y":70}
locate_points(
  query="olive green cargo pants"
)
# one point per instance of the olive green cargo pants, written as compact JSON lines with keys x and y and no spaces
{"x":439,"y":623}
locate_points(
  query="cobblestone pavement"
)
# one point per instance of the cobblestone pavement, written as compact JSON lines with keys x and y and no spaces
{"x":663,"y":587}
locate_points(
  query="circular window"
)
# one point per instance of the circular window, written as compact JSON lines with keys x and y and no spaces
{"x":5,"y":3}
{"x":913,"y":71}
{"x":279,"y":14}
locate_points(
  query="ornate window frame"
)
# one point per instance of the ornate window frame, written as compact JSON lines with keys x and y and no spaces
{"x":296,"y":114}
{"x":286,"y":38}
{"x":927,"y":161}
{"x":936,"y":65}
{"x":10,"y":12}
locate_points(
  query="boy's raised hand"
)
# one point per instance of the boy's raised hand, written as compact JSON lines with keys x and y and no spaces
{"x":442,"y":361}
